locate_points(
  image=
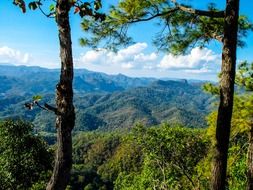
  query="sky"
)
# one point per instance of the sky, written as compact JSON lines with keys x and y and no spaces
{"x":31,"y":39}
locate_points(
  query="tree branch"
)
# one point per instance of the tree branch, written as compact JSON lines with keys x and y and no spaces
{"x":47,"y":107}
{"x":49,"y":15}
{"x":215,"y":36}
{"x":212,"y":14}
{"x":156,"y":15}
{"x":51,"y":108}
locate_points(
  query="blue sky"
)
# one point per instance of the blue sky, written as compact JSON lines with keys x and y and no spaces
{"x":31,"y":39}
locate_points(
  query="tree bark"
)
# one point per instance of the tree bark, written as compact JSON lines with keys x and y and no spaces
{"x":250,"y":160}
{"x":65,"y":119}
{"x":227,"y":81}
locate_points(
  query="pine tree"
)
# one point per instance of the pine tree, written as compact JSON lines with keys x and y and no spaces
{"x":184,"y":27}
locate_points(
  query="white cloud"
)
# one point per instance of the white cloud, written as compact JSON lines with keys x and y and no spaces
{"x":198,"y":61}
{"x":134,"y":49}
{"x":136,"y":61}
{"x":92,"y":56}
{"x":132,"y":57}
{"x":133,"y":61}
{"x":199,"y":71}
{"x":9,"y":55}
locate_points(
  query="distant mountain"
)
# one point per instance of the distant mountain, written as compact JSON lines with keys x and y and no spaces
{"x":161,"y":101}
{"x":41,"y":80}
{"x":104,"y":102}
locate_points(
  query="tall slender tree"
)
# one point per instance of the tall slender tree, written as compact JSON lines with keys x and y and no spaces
{"x":184,"y":27}
{"x":65,"y":111}
{"x":227,"y":81}
{"x":244,"y":78}
{"x":242,"y":117}
{"x":65,"y":120}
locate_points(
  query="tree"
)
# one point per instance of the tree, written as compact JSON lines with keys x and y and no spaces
{"x":242,"y":112}
{"x":65,"y":111}
{"x":244,"y":78}
{"x":183,"y":28}
{"x":65,"y":120}
{"x":23,"y":156}
{"x":170,"y":156}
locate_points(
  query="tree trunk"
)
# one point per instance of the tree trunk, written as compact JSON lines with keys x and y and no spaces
{"x":226,"y":95}
{"x":65,"y":119}
{"x":250,"y":160}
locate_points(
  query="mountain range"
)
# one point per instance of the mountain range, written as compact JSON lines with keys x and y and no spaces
{"x":104,"y":102}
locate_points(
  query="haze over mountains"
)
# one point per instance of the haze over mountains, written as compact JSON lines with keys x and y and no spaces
{"x":104,"y":102}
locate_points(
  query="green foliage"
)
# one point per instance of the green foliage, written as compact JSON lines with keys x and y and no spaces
{"x":243,"y":102}
{"x":237,"y":162}
{"x":241,"y":125}
{"x":20,"y":4}
{"x":89,"y":9}
{"x":23,"y":156}
{"x":180,"y":28}
{"x":244,"y":75}
{"x":96,"y":147}
{"x":83,"y":8}
{"x":238,"y":144}
{"x":211,"y":88}
{"x":91,"y":151}
{"x":171,"y":155}
{"x":52,"y":7}
{"x":146,"y":158}
{"x":37,"y":98}
{"x":34,"y":5}
{"x":127,"y":158}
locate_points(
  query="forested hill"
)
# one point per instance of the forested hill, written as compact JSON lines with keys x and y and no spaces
{"x":161,"y":101}
{"x":103,"y":101}
{"x":30,"y":80}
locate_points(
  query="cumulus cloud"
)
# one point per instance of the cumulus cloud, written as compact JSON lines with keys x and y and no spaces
{"x":197,"y":61}
{"x":9,"y":55}
{"x":135,"y":60}
{"x":132,"y":57}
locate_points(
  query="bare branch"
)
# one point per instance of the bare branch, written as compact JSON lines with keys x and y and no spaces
{"x":45,"y":107}
{"x":49,"y":15}
{"x":218,"y":37}
{"x":51,"y":108}
{"x":215,"y":36}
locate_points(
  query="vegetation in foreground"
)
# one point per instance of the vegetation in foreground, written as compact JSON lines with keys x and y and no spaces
{"x":24,"y":158}
{"x":161,"y":157}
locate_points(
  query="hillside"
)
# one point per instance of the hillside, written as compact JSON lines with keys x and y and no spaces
{"x":104,"y":102}
{"x":29,"y":80}
{"x":162,"y":101}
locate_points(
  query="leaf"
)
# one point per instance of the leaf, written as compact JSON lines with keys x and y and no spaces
{"x":97,"y":5}
{"x":52,"y":7}
{"x":37,"y":98}
{"x":211,"y":88}
{"x":33,"y":5}
{"x":83,"y":42}
{"x":21,"y":4}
